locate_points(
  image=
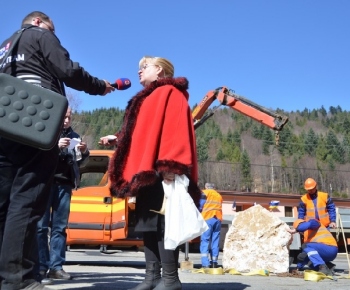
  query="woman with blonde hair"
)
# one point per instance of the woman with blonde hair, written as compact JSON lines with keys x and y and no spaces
{"x":156,"y":142}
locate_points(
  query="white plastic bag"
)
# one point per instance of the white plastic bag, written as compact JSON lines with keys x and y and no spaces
{"x":183,"y":221}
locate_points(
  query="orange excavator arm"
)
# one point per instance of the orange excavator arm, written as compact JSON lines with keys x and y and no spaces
{"x":228,"y":98}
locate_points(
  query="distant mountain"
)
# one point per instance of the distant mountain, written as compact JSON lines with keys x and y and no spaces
{"x":238,"y":153}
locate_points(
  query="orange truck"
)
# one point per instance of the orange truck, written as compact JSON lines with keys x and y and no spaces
{"x":96,"y":218}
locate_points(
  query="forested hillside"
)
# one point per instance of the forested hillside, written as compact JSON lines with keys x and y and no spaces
{"x":237,"y":153}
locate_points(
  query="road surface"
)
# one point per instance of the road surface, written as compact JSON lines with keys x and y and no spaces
{"x":121,"y":270}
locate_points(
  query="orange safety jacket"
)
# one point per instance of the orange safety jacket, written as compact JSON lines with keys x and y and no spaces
{"x":320,"y":235}
{"x":323,"y":215}
{"x":213,"y":205}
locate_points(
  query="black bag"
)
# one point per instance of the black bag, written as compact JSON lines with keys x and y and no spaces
{"x":30,"y":114}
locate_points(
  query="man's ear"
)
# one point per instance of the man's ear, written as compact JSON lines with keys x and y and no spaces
{"x":36,"y":21}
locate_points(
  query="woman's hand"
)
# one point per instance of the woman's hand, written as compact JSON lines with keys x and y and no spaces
{"x":168,"y":177}
{"x":109,"y":140}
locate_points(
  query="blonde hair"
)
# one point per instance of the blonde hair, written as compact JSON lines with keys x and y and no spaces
{"x":165,"y":64}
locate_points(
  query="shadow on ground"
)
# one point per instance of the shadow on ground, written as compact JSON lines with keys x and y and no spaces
{"x":126,"y":281}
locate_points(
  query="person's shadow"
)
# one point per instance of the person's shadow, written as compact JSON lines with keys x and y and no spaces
{"x":125,"y":281}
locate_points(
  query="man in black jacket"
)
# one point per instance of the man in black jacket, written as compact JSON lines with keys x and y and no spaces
{"x":26,"y":173}
{"x":66,"y":178}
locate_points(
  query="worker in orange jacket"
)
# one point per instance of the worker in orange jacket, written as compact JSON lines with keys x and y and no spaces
{"x":319,"y":248}
{"x":211,"y":209}
{"x":317,"y":205}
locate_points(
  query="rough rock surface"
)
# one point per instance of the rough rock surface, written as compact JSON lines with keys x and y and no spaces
{"x":257,"y":240}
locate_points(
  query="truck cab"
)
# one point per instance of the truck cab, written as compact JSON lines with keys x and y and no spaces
{"x":97,"y":218}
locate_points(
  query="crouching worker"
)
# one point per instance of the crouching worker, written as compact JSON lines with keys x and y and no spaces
{"x":319,"y":248}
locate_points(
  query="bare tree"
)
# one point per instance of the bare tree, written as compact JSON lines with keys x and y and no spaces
{"x":73,"y":100}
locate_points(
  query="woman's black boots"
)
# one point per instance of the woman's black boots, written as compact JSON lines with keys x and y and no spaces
{"x":152,"y":277}
{"x":170,"y":278}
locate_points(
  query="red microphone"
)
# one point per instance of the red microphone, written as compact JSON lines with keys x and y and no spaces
{"x":122,"y":84}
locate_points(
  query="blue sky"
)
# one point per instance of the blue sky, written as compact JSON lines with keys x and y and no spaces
{"x":288,"y":54}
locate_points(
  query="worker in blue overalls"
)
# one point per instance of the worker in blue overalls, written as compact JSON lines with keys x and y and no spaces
{"x":319,"y":247}
{"x":211,"y":209}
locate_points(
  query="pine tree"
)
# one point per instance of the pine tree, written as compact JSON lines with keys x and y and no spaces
{"x":267,"y":140}
{"x":311,"y":142}
{"x":220,"y":155}
{"x":333,"y":147}
{"x":346,"y":147}
{"x":323,"y":111}
{"x":321,"y":150}
{"x":237,"y":138}
{"x":256,"y":133}
{"x":286,"y":143}
{"x":245,"y":169}
{"x":346,"y":125}
{"x":202,"y":150}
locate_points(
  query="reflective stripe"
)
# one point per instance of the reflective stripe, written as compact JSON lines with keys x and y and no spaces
{"x":319,"y":239}
{"x":211,"y":208}
{"x":312,"y":253}
{"x":28,"y":76}
{"x":33,"y":79}
{"x":321,"y":235}
{"x":213,"y":205}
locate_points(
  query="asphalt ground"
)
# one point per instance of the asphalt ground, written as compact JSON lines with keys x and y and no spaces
{"x":124,"y":269}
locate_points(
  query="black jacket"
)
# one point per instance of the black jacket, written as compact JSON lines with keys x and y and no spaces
{"x":39,"y":58}
{"x":67,"y":170}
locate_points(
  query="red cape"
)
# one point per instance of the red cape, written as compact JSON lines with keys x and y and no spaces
{"x":157,"y":136}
